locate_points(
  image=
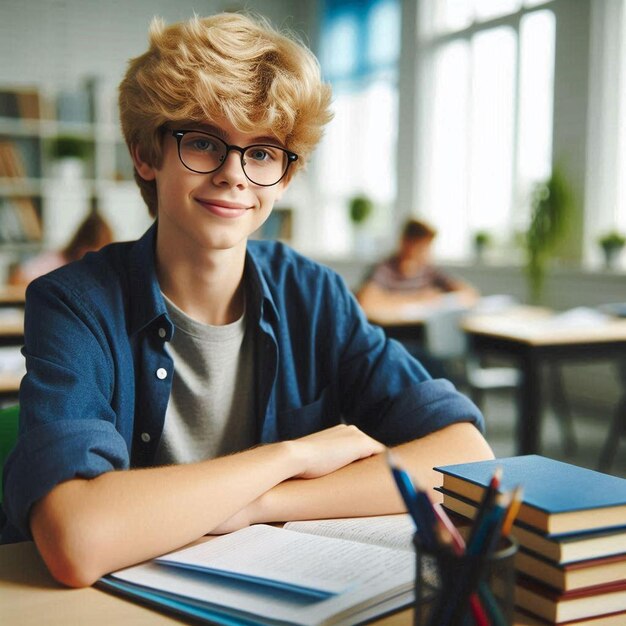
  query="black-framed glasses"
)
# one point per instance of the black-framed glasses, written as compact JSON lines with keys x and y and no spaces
{"x":203,"y":153}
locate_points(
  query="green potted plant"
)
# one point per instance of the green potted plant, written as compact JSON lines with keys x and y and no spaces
{"x":69,"y":146}
{"x":360,"y":209}
{"x":612,"y":244}
{"x":482,"y":239}
{"x":69,"y":154}
{"x":552,"y":207}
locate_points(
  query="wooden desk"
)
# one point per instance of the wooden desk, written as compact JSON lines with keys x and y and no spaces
{"x":9,"y":385}
{"x":409,"y":321}
{"x":11,"y":334}
{"x":29,"y":597}
{"x":406,"y":325}
{"x":11,"y":327}
{"x":533,"y":338}
{"x":11,"y":295}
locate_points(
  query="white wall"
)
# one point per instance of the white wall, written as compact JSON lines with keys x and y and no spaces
{"x":59,"y":42}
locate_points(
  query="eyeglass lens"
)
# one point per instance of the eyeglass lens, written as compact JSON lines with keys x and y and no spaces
{"x":204,"y":153}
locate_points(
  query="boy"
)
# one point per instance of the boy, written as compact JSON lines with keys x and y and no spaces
{"x":408,"y":277}
{"x":170,"y":358}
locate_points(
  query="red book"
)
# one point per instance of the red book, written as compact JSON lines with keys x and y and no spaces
{"x":522,"y":618}
{"x":577,"y":575}
{"x":563,"y":607}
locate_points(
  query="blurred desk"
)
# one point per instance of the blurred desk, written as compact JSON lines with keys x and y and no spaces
{"x":9,"y":385}
{"x":11,"y":295}
{"x":11,"y":362}
{"x":405,"y":327}
{"x":29,"y":597}
{"x":534,"y":337}
{"x":407,"y":322}
{"x":11,"y":327}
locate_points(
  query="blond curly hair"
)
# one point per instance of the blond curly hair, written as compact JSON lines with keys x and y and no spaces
{"x":227,"y":66}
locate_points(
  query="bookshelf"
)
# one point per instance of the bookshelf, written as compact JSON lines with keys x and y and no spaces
{"x":43,"y":197}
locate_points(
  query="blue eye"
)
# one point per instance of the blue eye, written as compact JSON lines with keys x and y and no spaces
{"x":263,"y":154}
{"x":202,"y":144}
{"x":258,"y":154}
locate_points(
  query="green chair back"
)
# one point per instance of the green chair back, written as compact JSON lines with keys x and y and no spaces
{"x":9,"y":418}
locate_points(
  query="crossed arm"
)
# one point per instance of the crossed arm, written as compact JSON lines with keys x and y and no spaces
{"x":86,"y":528}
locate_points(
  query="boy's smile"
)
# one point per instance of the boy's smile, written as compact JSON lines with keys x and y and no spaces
{"x":221,"y":208}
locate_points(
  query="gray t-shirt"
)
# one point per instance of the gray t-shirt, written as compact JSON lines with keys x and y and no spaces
{"x":211,"y":408}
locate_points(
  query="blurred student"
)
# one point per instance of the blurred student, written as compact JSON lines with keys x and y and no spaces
{"x":92,"y":234}
{"x":409,"y":277}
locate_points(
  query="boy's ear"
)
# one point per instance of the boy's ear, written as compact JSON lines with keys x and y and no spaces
{"x":146,"y":171}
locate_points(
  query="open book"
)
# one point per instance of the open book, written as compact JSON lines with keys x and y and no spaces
{"x":326,"y":572}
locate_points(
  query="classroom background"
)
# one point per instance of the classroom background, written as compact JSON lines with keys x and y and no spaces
{"x":469,"y":114}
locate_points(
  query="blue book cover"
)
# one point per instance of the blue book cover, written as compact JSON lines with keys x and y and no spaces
{"x":558,"y":497}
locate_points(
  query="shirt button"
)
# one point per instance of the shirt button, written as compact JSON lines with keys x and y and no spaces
{"x":161,"y":373}
{"x":162,"y":333}
{"x":145,"y":437}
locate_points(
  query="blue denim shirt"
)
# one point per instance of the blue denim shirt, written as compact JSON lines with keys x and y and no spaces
{"x":99,"y":373}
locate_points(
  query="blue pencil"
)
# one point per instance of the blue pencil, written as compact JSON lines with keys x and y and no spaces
{"x":417,"y":502}
{"x":486,"y":503}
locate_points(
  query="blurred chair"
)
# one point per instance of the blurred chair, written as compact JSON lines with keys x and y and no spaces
{"x":9,"y":418}
{"x":445,"y":340}
{"x":617,"y":428}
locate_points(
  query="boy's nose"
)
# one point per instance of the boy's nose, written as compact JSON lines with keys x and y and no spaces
{"x":231,"y":170}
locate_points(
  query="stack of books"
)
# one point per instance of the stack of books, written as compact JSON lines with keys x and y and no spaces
{"x":571,"y":529}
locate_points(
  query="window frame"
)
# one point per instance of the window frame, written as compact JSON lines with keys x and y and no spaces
{"x":420,"y":48}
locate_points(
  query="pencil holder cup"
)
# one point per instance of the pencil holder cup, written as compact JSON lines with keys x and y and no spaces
{"x":454,"y":590}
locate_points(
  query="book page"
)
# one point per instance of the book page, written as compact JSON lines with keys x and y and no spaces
{"x":391,"y":531}
{"x":245,"y":601}
{"x":370,"y":576}
{"x":322,"y":564}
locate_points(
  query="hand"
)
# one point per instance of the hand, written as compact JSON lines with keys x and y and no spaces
{"x":315,"y":455}
{"x":328,"y":450}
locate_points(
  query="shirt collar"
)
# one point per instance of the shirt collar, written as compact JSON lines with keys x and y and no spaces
{"x":261,"y":299}
{"x":146,"y":301}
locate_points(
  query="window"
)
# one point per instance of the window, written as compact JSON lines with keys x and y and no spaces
{"x":359,"y":51}
{"x":485,"y":124}
{"x":605,"y":198}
